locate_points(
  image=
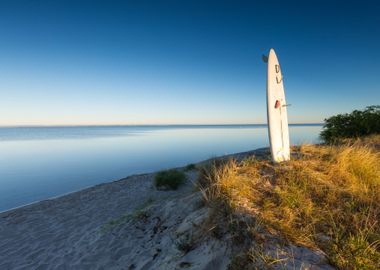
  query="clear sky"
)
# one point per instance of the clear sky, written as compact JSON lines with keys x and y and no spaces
{"x":183,"y":62}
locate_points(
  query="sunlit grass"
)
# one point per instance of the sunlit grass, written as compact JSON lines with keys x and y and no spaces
{"x":326,"y":197}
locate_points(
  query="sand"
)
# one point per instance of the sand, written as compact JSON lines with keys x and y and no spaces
{"x":126,"y":224}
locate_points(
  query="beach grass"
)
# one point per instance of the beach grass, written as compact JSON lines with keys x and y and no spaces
{"x":140,"y":213}
{"x":326,"y":197}
{"x":169,"y":179}
{"x":190,"y":167}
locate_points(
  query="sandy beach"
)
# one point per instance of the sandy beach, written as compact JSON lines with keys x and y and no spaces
{"x":132,"y":135}
{"x":126,"y":224}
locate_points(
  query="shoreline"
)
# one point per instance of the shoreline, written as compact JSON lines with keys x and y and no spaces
{"x":158,"y":125}
{"x":235,"y":155}
{"x":77,"y":230}
{"x":125,"y":224}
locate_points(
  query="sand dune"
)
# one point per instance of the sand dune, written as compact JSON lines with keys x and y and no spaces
{"x":126,"y":224}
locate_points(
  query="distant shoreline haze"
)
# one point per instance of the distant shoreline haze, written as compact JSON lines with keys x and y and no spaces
{"x":152,"y":125}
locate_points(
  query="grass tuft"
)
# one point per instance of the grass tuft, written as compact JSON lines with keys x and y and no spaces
{"x":190,"y":167}
{"x":186,"y":243}
{"x":170,"y":179}
{"x":139,"y":214}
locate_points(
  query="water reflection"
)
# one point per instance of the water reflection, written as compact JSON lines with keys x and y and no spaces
{"x":38,"y":163}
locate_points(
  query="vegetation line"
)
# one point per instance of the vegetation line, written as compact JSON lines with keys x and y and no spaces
{"x":327,"y":197}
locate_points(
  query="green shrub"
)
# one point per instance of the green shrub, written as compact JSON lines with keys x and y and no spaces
{"x":352,"y":125}
{"x":190,"y":167}
{"x":170,"y":179}
{"x":186,"y":243}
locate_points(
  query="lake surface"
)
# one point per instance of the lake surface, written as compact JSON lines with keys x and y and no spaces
{"x":40,"y":163}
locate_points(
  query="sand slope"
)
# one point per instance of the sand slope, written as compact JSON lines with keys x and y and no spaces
{"x":126,"y":224}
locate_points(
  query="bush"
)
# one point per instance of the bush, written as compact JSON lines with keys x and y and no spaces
{"x":352,"y":125}
{"x":190,"y":167}
{"x":170,"y":179}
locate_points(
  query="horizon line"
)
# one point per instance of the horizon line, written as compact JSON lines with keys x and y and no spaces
{"x":143,"y":125}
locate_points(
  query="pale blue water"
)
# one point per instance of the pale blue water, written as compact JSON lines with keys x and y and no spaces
{"x":39,"y":163}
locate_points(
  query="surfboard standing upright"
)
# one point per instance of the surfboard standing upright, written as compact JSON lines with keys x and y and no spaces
{"x":276,"y":111}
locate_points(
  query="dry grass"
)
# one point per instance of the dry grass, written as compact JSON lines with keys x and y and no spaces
{"x":326,"y":197}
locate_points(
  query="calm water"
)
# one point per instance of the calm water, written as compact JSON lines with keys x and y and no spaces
{"x":39,"y":163}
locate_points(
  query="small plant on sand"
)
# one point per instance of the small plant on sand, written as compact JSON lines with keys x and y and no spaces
{"x":170,"y":179}
{"x":326,"y":197}
{"x":139,"y":214}
{"x":352,"y":125}
{"x":135,"y":216}
{"x":114,"y":223}
{"x":186,"y":243}
{"x":253,"y":259}
{"x":190,"y":167}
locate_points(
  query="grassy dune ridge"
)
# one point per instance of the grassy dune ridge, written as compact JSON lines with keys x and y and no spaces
{"x":327,"y":197}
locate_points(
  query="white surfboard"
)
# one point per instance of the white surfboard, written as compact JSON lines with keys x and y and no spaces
{"x":276,"y":111}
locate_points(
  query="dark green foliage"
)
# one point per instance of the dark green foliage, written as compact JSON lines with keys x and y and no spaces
{"x":170,"y":179}
{"x":186,"y":243}
{"x":352,"y":125}
{"x":190,"y":167}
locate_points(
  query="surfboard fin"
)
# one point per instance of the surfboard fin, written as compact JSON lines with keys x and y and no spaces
{"x":265,"y":58}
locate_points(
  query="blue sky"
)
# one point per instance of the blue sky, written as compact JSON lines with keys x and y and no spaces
{"x":183,"y":62}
